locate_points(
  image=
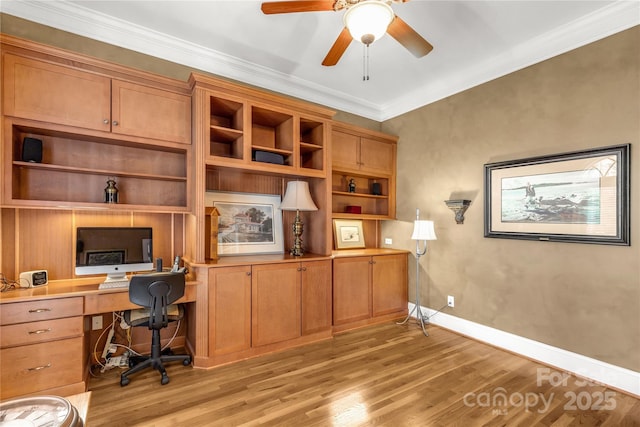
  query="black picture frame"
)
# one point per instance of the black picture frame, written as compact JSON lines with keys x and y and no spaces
{"x":575,"y":197}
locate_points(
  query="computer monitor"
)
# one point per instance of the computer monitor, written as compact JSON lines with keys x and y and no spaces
{"x":113,"y":251}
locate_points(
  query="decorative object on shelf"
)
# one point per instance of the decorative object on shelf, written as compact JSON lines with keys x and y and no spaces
{"x":459,"y":207}
{"x":376,"y":189}
{"x":111,"y":191}
{"x":348,"y":233}
{"x":248,"y":224}
{"x":422,"y":231}
{"x":578,"y":197}
{"x":352,"y":185}
{"x":353,"y":209}
{"x":267,"y":157}
{"x":212,"y":216}
{"x":32,"y":150}
{"x":297,"y":198}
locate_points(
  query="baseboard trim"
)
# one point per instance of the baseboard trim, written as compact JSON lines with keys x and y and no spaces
{"x":613,"y":376}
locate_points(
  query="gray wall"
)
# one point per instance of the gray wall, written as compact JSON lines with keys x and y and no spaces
{"x":580,"y":297}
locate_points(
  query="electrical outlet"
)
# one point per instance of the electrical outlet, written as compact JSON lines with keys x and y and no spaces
{"x":96,"y":323}
{"x":451,"y":301}
{"x":388,"y":241}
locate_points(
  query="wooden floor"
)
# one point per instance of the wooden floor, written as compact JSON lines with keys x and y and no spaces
{"x":385,"y":375}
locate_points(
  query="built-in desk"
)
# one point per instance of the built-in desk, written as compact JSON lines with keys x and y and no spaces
{"x":44,"y":336}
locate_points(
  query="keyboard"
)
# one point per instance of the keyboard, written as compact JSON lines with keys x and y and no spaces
{"x":114,"y":284}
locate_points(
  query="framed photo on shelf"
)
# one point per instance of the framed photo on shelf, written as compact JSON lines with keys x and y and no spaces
{"x":247,"y":223}
{"x":578,"y":197}
{"x":348,"y":233}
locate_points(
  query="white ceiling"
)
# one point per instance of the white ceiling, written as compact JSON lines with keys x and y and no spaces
{"x":474,"y":42}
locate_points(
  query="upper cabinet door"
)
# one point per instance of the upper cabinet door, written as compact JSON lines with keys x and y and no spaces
{"x":377,"y":156}
{"x":357,"y":153}
{"x":345,"y":150}
{"x":51,"y":93}
{"x":151,"y":113}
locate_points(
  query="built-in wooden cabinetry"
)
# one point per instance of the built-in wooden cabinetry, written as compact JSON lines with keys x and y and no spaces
{"x":366,"y":157}
{"x":233,"y":126}
{"x":42,"y":347}
{"x":95,"y":121}
{"x":166,"y":144}
{"x":259,"y":304}
{"x":368,"y":286}
{"x":60,"y":94}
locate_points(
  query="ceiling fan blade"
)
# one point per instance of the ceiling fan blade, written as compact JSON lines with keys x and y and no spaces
{"x":269,"y":8}
{"x":339,"y":47}
{"x":409,"y":38}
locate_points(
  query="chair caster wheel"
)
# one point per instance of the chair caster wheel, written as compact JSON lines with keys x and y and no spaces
{"x":124,"y":381}
{"x":164,"y":380}
{"x":186,"y":362}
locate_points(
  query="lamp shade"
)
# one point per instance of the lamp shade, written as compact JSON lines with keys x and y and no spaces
{"x":423,"y":230}
{"x":368,"y":20}
{"x":297,"y":197}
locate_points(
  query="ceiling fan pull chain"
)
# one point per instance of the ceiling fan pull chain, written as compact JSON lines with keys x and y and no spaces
{"x":365,"y":62}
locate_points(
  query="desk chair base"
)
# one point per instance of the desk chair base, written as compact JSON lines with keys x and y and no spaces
{"x":156,"y":361}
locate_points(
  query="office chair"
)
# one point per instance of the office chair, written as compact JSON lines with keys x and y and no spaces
{"x":156,"y":292}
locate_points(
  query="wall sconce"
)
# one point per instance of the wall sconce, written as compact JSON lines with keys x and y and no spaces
{"x":459,"y":207}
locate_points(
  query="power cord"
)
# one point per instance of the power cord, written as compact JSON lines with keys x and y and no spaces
{"x":6,"y":284}
{"x":426,"y":318}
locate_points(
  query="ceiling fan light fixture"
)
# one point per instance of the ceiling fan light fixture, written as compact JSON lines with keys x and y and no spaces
{"x":368,"y":20}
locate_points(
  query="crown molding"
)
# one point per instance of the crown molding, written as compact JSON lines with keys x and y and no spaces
{"x":87,"y":23}
{"x":605,"y":22}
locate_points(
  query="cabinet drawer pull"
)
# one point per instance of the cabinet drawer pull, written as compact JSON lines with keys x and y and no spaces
{"x":248,"y":273}
{"x":39,"y":310}
{"x":39,"y":331}
{"x":105,"y":121}
{"x":115,"y":123}
{"x":39,"y":368}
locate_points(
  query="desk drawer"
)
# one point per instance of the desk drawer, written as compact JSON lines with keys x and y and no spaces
{"x":30,"y":311}
{"x":36,"y":367}
{"x":45,"y":330}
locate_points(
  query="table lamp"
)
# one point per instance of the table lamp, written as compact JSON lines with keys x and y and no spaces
{"x":297,"y":198}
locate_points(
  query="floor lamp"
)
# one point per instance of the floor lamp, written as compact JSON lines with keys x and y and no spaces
{"x":422,"y":231}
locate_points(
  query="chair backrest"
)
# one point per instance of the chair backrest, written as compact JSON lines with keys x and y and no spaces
{"x":156,"y":291}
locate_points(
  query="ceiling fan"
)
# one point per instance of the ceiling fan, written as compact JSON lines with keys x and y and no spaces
{"x":365,"y":20}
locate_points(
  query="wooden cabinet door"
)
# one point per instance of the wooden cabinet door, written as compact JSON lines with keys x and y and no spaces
{"x":389,"y":283}
{"x":377,"y":156}
{"x":275,"y":304}
{"x":52,"y":93}
{"x":351,"y":289}
{"x":150,"y":113}
{"x":316,"y":296}
{"x":345,"y":149}
{"x":229,"y":309}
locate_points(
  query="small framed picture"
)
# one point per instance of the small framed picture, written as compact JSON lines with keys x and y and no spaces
{"x":348,"y":233}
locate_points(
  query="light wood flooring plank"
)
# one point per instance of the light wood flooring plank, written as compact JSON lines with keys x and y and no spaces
{"x":383,"y":375}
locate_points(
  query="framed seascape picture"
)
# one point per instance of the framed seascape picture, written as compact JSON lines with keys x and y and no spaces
{"x":348,"y":233}
{"x":579,"y":197}
{"x":247,"y":223}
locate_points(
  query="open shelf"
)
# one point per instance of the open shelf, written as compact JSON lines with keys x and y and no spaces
{"x":226,"y":134}
{"x":312,"y":152}
{"x":75,"y":168}
{"x":372,"y":206}
{"x":272,"y":132}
